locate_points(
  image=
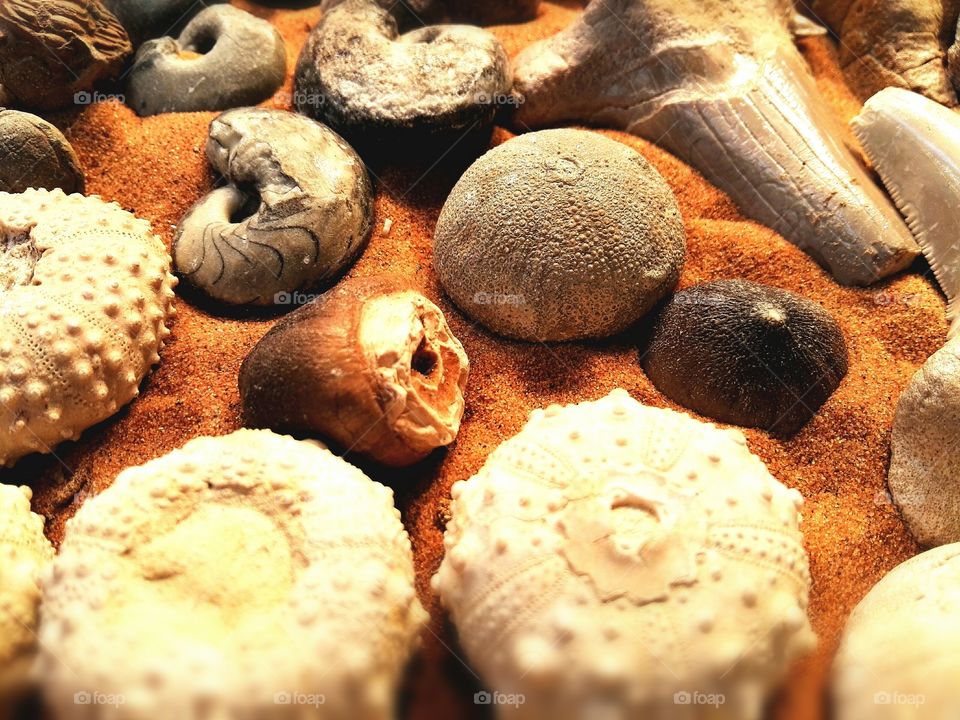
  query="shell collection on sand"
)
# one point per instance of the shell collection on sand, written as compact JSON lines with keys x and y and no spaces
{"x":35,"y":154}
{"x":613,"y":554}
{"x":297,"y":211}
{"x":267,"y":567}
{"x":747,"y":354}
{"x":526,"y":244}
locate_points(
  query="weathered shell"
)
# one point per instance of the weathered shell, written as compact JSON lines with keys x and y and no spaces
{"x":899,"y":655}
{"x":914,"y":144}
{"x":86,"y":293}
{"x":24,"y":552}
{"x":313,"y":216}
{"x":35,"y":154}
{"x":242,"y":574}
{"x":721,"y":85}
{"x":611,"y":555}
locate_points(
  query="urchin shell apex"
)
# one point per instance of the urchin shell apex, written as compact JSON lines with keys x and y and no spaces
{"x":617,"y":553}
{"x":86,"y":294}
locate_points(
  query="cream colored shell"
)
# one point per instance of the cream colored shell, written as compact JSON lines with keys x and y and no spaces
{"x":899,"y":656}
{"x":24,"y":551}
{"x":85,"y":292}
{"x":619,"y":558}
{"x":251,"y":575}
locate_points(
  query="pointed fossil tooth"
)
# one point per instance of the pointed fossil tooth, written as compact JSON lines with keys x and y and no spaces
{"x":721,"y":86}
{"x":914,"y":144}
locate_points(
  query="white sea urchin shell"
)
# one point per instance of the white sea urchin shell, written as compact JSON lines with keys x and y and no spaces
{"x":245,"y":576}
{"x":85,"y":293}
{"x":622,"y":558}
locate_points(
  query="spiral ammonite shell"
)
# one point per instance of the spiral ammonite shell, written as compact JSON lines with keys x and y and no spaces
{"x":85,"y":294}
{"x":614,"y":554}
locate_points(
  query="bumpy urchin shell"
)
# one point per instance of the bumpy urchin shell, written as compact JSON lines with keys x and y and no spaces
{"x":86,"y":293}
{"x":617,"y":553}
{"x":899,"y":656}
{"x":559,"y":235}
{"x":245,"y":574}
{"x":925,"y":454}
{"x":747,"y":354}
{"x":24,"y":551}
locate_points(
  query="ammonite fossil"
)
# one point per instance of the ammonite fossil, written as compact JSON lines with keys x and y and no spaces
{"x":271,"y":570}
{"x":297,"y":211}
{"x":613,"y":556}
{"x":86,"y":293}
{"x":35,"y":154}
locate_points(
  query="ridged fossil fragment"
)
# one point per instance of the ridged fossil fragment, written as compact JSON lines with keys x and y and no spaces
{"x":721,"y":85}
{"x":86,"y":293}
{"x":914,"y":144}
{"x":894,"y":43}
{"x":297,"y":211}
{"x":35,"y":154}
{"x":611,"y":555}
{"x":229,"y":578}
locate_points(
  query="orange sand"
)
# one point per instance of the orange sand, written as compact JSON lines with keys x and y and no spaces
{"x":156,"y":168}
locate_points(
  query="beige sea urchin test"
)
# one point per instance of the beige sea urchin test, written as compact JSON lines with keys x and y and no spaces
{"x":24,"y":551}
{"x":245,"y":576}
{"x":85,"y":294}
{"x":619,"y":558}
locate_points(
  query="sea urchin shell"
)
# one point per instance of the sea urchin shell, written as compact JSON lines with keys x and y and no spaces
{"x":747,"y":354}
{"x":229,"y":573}
{"x":86,"y":293}
{"x":613,"y":553}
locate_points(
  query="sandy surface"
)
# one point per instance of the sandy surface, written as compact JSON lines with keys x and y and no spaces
{"x":156,"y":168}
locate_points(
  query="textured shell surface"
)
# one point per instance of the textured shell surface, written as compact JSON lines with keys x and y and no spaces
{"x":266,"y":565}
{"x":85,"y":295}
{"x":899,"y":657}
{"x":613,"y":554}
{"x":24,"y":552}
{"x":314,"y":213}
{"x":914,"y":144}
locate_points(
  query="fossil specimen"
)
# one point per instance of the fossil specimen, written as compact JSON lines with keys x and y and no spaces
{"x":34,"y":154}
{"x":409,"y":12}
{"x":86,"y":293}
{"x":898,"y":657}
{"x":558,"y":235}
{"x":613,"y":554}
{"x":224,"y":58}
{"x":52,"y":49}
{"x":145,"y":19}
{"x":720,"y":85}
{"x":894,"y":43}
{"x":24,"y":552}
{"x":423,"y":91}
{"x":747,"y":354}
{"x":268,"y":567}
{"x":297,"y":211}
{"x":925,"y":455}
{"x":371,"y":364}
{"x":914,"y":144}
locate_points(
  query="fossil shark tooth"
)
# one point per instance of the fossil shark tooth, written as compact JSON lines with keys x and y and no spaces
{"x":914,"y":144}
{"x":721,"y":86}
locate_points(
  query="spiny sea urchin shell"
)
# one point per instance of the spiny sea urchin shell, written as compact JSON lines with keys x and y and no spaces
{"x":747,"y":354}
{"x":227,"y":576}
{"x":613,"y":554}
{"x":85,"y":293}
{"x":559,"y":235}
{"x":899,"y":655}
{"x":24,"y":551}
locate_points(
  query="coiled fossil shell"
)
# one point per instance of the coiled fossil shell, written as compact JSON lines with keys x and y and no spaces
{"x":613,"y":554}
{"x":24,"y":551}
{"x":267,"y":567}
{"x":899,"y":655}
{"x":313,"y":216}
{"x":85,"y":294}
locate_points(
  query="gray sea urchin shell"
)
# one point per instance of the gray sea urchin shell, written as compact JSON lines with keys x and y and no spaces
{"x":421,"y":91}
{"x":224,"y":58}
{"x":747,"y":354}
{"x":559,"y":235}
{"x":314,"y":216}
{"x":35,"y":154}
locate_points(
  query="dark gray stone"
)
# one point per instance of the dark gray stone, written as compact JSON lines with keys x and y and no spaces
{"x":35,"y":154}
{"x":484,"y":12}
{"x":146,"y":19}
